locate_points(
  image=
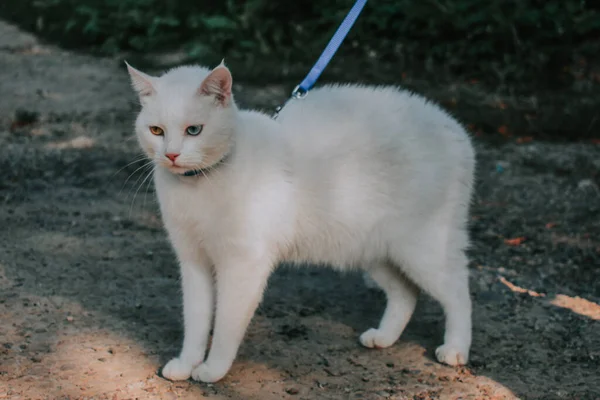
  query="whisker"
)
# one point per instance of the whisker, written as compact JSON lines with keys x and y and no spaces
{"x":148,"y":175}
{"x":148,"y":187}
{"x":198,"y":168}
{"x":225,"y":163}
{"x":146,"y":167}
{"x":139,"y":158}
{"x":214,"y":167}
{"x":133,"y":173}
{"x":135,"y":102}
{"x":140,"y":167}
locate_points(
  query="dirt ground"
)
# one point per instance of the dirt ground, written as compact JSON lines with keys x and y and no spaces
{"x":89,"y":292}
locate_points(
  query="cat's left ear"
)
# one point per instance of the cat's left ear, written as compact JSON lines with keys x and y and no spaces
{"x":218,"y":83}
{"x":141,"y":82}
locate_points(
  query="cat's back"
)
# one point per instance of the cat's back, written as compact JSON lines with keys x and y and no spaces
{"x":366,"y":121}
{"x":363,"y":101}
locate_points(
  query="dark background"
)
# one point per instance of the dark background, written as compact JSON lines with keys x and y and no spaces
{"x":512,"y":67}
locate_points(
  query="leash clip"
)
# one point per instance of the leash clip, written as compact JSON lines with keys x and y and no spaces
{"x":299,"y":93}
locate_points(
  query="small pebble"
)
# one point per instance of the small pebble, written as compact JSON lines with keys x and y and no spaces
{"x":292,"y":391}
{"x":501,"y":166}
{"x":586,"y":184}
{"x":70,"y":318}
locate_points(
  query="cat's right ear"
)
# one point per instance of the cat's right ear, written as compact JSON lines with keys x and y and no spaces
{"x":141,"y":82}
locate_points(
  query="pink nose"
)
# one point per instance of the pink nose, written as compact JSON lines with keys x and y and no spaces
{"x":172,"y":156}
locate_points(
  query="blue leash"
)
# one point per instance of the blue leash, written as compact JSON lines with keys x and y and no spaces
{"x":302,"y":89}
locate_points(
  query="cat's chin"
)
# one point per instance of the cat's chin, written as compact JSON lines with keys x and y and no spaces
{"x":177,"y":170}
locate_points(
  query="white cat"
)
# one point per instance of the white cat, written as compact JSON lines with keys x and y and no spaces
{"x":371,"y":178}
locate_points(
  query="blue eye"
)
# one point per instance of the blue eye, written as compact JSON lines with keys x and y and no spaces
{"x":194,"y":130}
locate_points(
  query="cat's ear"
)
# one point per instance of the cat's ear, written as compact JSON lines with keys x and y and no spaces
{"x":218,"y":84}
{"x":141,"y":82}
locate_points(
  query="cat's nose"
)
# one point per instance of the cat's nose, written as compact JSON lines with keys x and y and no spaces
{"x":172,"y":156}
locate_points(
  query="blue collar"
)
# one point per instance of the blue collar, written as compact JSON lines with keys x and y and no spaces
{"x":195,"y":172}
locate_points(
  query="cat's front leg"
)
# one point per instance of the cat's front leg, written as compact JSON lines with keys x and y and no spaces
{"x":198,"y":295}
{"x":239,"y":286}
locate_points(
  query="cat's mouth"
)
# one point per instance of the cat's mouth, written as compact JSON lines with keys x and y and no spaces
{"x":187,"y":171}
{"x":184,"y":169}
{"x":194,"y":169}
{"x":178,"y":169}
{"x":175,"y":167}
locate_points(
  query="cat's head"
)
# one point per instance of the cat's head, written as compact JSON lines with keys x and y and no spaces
{"x":187,"y":118}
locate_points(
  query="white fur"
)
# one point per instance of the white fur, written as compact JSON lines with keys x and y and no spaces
{"x":355,"y":177}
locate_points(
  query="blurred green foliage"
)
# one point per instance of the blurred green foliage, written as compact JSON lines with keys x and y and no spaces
{"x":529,"y":67}
{"x":503,"y":41}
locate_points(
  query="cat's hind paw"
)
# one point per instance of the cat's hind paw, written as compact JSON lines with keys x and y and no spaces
{"x":204,"y":373}
{"x":451,"y":355}
{"x":376,"y":339}
{"x":177,"y":370}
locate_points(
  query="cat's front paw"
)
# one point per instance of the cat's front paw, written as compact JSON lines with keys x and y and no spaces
{"x":451,"y":355}
{"x":209,"y":374}
{"x":376,"y":339}
{"x":177,"y":370}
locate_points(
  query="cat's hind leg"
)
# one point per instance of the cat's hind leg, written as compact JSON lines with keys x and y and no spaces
{"x":456,"y":301}
{"x":436,"y":262}
{"x":401,"y":301}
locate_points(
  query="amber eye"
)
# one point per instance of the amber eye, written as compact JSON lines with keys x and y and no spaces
{"x":156,"y":130}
